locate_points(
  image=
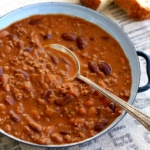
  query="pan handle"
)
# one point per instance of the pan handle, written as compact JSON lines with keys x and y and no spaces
{"x":147,"y":58}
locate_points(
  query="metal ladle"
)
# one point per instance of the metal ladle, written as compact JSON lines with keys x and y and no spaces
{"x":142,"y":118}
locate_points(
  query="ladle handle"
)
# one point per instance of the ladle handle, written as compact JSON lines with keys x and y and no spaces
{"x":142,"y":118}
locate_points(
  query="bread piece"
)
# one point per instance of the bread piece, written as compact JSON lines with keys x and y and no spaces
{"x":97,"y":5}
{"x":136,"y":9}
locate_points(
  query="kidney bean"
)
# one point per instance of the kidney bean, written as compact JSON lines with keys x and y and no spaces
{"x":81,"y":42}
{"x":105,"y":68}
{"x":100,"y":124}
{"x":101,"y":75}
{"x":45,"y":86}
{"x":89,"y":102}
{"x":3,"y":33}
{"x":64,"y":60}
{"x":33,"y":125}
{"x":35,"y":22}
{"x":49,"y":112}
{"x":68,"y":138}
{"x":47,"y":36}
{"x":82,"y":135}
{"x":69,"y":36}
{"x":41,"y":102}
{"x":64,"y":132}
{"x":106,"y":38}
{"x":93,"y":66}
{"x":65,"y":100}
{"x":92,"y":38}
{"x":72,"y":120}
{"x":28,"y":49}
{"x":14,"y":116}
{"x":9,"y":100}
{"x":48,"y":130}
{"x":54,"y":59}
{"x":25,"y":74}
{"x":57,"y":137}
{"x":79,"y":120}
{"x":20,"y":44}
{"x":92,"y":111}
{"x":46,"y":94}
{"x":112,"y":107}
{"x":1,"y":71}
{"x":4,"y":79}
{"x":102,"y":84}
{"x":7,"y":88}
{"x":35,"y":114}
{"x":82,"y":111}
{"x":1,"y":43}
{"x":7,"y":50}
{"x":44,"y":141}
{"x":2,"y":107}
{"x":6,"y":68}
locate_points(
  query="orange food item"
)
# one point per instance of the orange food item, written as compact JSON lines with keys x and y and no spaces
{"x":94,"y":4}
{"x":136,"y":9}
{"x":38,"y":102}
{"x":98,"y":5}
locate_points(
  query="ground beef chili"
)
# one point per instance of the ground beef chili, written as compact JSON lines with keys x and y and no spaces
{"x":38,"y":102}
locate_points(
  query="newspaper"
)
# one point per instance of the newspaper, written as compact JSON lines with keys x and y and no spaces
{"x":128,"y":134}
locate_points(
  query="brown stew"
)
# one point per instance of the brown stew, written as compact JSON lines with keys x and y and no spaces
{"x":38,"y":102}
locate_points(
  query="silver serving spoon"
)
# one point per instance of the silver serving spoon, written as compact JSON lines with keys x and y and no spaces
{"x":142,"y":118}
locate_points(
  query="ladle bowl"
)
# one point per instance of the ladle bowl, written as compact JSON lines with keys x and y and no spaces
{"x":138,"y":115}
